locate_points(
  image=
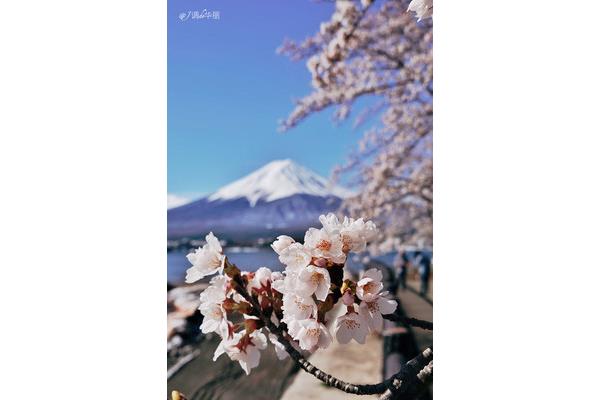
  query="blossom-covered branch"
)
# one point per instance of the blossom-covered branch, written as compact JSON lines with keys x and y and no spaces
{"x":293,"y":309}
{"x":358,"y":389}
{"x":284,"y":339}
{"x":382,"y":52}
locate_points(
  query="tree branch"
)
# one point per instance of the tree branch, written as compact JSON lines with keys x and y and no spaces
{"x":418,"y":323}
{"x":412,"y":378}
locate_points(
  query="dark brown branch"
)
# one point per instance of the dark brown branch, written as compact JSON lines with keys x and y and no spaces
{"x":426,"y":374}
{"x":418,"y":323}
{"x":399,"y":64}
{"x":412,"y":379}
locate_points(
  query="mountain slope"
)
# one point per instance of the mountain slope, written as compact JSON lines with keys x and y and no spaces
{"x":276,"y":180}
{"x":280,"y":197}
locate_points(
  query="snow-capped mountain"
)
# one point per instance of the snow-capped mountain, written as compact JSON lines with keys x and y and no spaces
{"x":280,"y":197}
{"x":277,"y":180}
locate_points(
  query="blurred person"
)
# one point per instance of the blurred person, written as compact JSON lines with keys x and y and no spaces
{"x":402,"y":268}
{"x":424,"y":273}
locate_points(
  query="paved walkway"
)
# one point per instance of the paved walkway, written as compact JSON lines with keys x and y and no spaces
{"x":416,"y":307}
{"x":204,"y":379}
{"x":415,"y":284}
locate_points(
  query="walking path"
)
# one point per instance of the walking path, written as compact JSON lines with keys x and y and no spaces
{"x":416,"y":307}
{"x":204,"y":379}
{"x":415,"y":285}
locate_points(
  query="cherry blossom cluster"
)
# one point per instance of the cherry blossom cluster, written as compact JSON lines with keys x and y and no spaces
{"x":300,"y":301}
{"x":382,"y":50}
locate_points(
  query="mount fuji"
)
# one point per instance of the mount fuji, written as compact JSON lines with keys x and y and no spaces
{"x":280,"y":197}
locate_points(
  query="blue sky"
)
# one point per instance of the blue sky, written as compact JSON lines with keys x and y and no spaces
{"x":227,"y":89}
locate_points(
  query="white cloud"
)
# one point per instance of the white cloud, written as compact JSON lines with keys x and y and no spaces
{"x":175,"y":200}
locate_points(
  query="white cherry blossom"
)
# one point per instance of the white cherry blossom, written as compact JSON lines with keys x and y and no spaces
{"x":293,"y":327}
{"x":215,"y":319}
{"x":330,"y":223}
{"x":216,"y":290}
{"x":325,"y":244}
{"x":281,"y":243}
{"x":312,"y":334}
{"x":276,"y":276}
{"x":315,"y":280}
{"x":351,"y":326}
{"x":226,"y":345}
{"x":261,"y":278}
{"x":295,"y":257}
{"x":421,"y":8}
{"x":278,"y":281}
{"x":296,"y":307}
{"x":279,"y":285}
{"x":249,"y":356}
{"x":287,"y":284}
{"x":373,"y":310}
{"x":206,"y":260}
{"x":280,"y":351}
{"x":354,"y":233}
{"x":369,"y":286}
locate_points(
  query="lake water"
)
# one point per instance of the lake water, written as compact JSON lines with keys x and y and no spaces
{"x":247,"y":259}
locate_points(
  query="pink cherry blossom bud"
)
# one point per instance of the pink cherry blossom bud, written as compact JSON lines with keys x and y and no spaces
{"x":321,"y":262}
{"x":347,"y":298}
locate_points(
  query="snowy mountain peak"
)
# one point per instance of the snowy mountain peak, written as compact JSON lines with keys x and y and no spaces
{"x":276,"y":180}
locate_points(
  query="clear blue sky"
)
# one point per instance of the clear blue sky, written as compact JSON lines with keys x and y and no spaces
{"x":227,"y":89}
